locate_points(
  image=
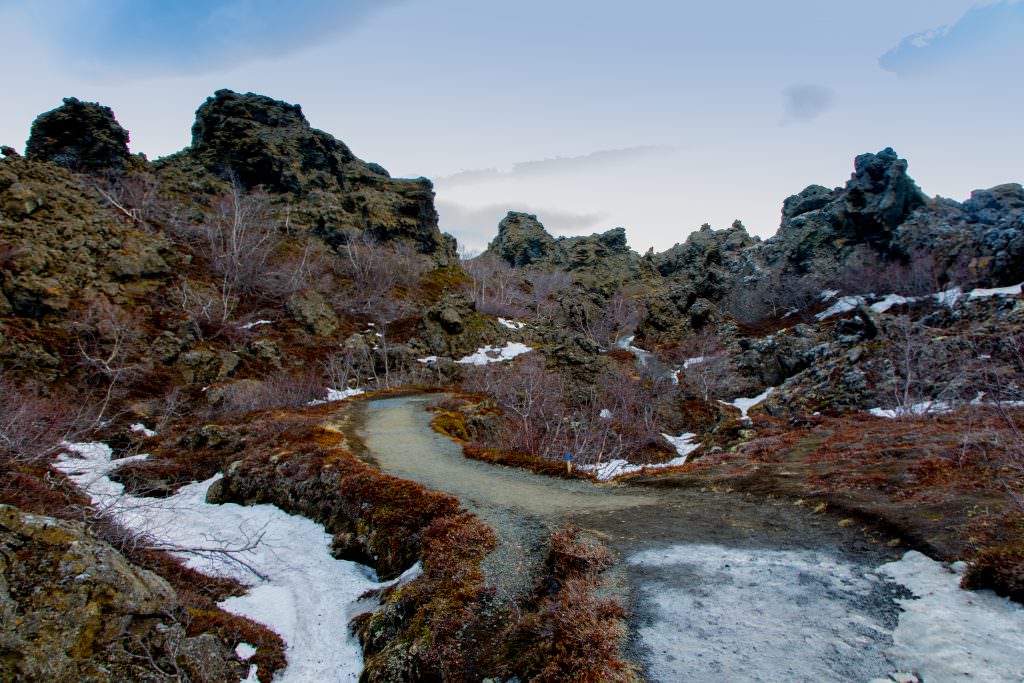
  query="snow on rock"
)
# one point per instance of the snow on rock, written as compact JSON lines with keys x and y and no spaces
{"x":429,"y":360}
{"x":693,"y":361}
{"x":890,"y":300}
{"x":605,"y":414}
{"x":511,"y":324}
{"x":256,"y":323}
{"x":745,"y":404}
{"x":1013,"y":290}
{"x":827,"y":294}
{"x":494,"y":354}
{"x":140,"y":428}
{"x":844,"y":305}
{"x":754,"y":614}
{"x":336,"y":395}
{"x":949,"y":634}
{"x":306,"y":592}
{"x":948,"y":297}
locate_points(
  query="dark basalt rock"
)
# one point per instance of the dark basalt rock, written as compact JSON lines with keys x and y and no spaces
{"x":522,"y":240}
{"x":81,"y":136}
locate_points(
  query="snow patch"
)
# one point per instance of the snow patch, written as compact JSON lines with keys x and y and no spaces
{"x":605,"y":414}
{"x":140,"y":428}
{"x":745,"y":404}
{"x":336,"y":395}
{"x":844,"y":305}
{"x":256,"y":323}
{"x":827,"y":294}
{"x":1013,"y":290}
{"x":429,"y":360}
{"x":306,"y":591}
{"x":949,"y":634}
{"x":689,"y":362}
{"x":890,"y":300}
{"x":494,"y":354}
{"x":245,"y":651}
{"x":611,"y":469}
{"x":511,"y":324}
{"x":925,"y":408}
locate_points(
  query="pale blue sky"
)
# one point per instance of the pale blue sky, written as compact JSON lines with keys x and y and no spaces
{"x":655,"y":115}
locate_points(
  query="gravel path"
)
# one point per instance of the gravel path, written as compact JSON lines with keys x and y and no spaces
{"x":720,"y":586}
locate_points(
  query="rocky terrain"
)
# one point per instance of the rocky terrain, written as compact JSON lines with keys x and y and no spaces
{"x":198,"y":308}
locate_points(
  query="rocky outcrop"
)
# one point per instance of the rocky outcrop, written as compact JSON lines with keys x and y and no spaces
{"x":310,"y":309}
{"x":599,"y":263}
{"x":522,"y":240}
{"x":81,"y":136}
{"x":74,"y":609}
{"x":268,"y":143}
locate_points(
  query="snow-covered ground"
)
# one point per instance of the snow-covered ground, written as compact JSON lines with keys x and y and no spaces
{"x":738,"y":614}
{"x":495,"y":354}
{"x":306,"y":595}
{"x":511,"y":324}
{"x":949,"y":634}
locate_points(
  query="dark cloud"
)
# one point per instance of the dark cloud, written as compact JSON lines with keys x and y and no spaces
{"x":990,"y":34}
{"x":553,"y":165}
{"x":803,"y":103}
{"x":188,"y":36}
{"x":476,"y":226}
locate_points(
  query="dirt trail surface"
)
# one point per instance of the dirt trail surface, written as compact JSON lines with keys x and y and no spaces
{"x":720,"y":587}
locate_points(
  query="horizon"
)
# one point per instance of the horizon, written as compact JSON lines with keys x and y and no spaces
{"x":657,"y":119}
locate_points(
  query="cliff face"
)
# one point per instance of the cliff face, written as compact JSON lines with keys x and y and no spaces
{"x":267,"y":143}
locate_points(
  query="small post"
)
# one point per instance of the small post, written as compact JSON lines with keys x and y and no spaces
{"x":568,"y":462}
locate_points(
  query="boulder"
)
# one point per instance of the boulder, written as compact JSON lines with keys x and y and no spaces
{"x":309,"y":309}
{"x":522,"y":240}
{"x":72,"y":608}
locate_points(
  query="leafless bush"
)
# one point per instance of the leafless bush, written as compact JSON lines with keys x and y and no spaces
{"x":868,"y":273}
{"x":33,"y":427}
{"x":109,"y":344}
{"x":135,"y":196}
{"x":925,"y":370}
{"x":495,"y":287}
{"x":545,"y":285}
{"x":282,"y":389}
{"x":771,"y":296}
{"x":619,"y":317}
{"x":707,"y":371}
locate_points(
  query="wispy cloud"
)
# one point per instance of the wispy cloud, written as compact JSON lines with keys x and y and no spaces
{"x":985,"y":32}
{"x":98,"y":37}
{"x":476,"y":226}
{"x":803,"y":103}
{"x":553,"y":165}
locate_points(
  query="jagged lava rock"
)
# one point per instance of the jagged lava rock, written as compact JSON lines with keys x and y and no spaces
{"x":81,"y":136}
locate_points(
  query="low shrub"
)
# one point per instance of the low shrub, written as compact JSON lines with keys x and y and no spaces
{"x":1000,"y":568}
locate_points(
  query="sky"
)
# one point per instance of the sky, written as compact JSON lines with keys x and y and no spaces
{"x":654,"y":115}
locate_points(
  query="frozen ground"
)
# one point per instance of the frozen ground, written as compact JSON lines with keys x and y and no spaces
{"x":304,"y":593}
{"x":761,"y":615}
{"x":495,"y":354}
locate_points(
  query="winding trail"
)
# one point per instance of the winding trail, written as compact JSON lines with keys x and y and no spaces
{"x":719,"y":587}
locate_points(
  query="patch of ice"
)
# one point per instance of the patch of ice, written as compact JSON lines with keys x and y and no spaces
{"x":741,"y":614}
{"x":306,"y":591}
{"x":336,"y":395}
{"x":494,"y":354}
{"x":745,"y":404}
{"x":140,"y":428}
{"x":512,"y":324}
{"x":245,"y":651}
{"x":256,"y":323}
{"x":844,"y":305}
{"x":949,"y":634}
